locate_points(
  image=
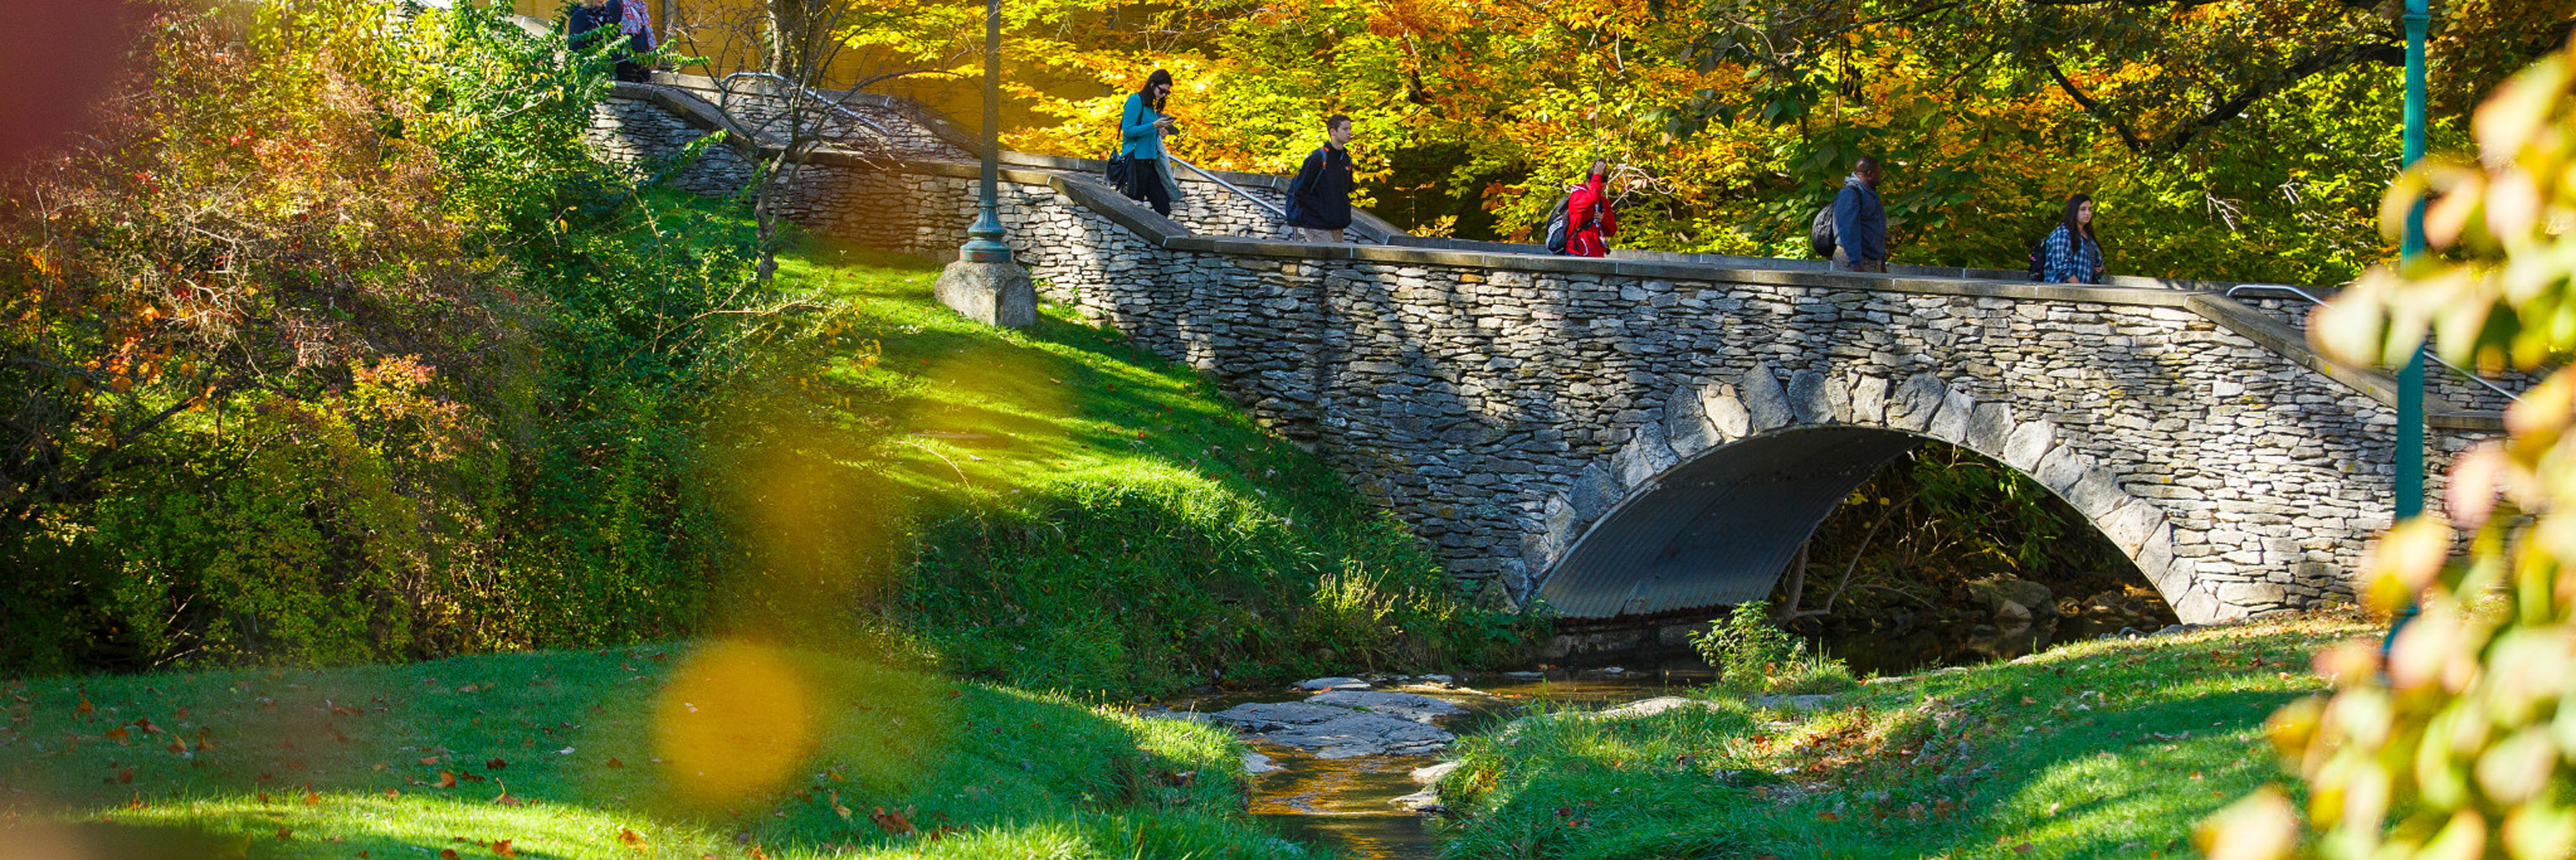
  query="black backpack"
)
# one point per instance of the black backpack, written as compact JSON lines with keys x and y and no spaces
{"x":2039,"y":259}
{"x":1820,"y":235}
{"x":1560,"y":225}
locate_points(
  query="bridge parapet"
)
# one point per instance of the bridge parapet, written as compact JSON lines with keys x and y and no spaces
{"x":1652,"y":433}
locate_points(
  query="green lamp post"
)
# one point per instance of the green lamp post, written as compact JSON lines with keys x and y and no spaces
{"x":2410,"y":381}
{"x":985,"y":284}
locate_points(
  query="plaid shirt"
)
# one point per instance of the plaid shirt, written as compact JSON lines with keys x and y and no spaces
{"x":2071,"y":262}
{"x":637,"y":21}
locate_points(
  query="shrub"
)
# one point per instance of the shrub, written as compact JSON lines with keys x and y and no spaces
{"x":1751,"y":653}
{"x":332,"y":342}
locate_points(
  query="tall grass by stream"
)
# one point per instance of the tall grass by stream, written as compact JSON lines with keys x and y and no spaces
{"x":2109,"y":748}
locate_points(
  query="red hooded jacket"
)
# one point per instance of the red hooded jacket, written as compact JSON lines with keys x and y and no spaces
{"x":1589,"y":220}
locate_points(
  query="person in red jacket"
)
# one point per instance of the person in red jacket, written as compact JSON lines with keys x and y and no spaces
{"x":1589,"y":220}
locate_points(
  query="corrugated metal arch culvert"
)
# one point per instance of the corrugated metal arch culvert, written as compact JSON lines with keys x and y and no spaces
{"x":1704,"y":507}
{"x":1718,"y":530}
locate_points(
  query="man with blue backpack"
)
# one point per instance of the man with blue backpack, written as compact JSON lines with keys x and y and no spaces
{"x":1319,"y":199}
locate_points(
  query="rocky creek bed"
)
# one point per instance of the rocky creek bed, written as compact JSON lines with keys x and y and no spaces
{"x":1350,"y":763}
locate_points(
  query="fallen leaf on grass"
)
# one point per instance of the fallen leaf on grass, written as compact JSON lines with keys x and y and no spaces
{"x":893,"y":823}
{"x":446,"y":779}
{"x":116,"y":734}
{"x":430,"y":759}
{"x":495,"y":764}
{"x":613,"y":762}
{"x":502,"y":848}
{"x":447,"y":854}
{"x":630,"y":839}
{"x":285,"y":833}
{"x":84,"y":707}
{"x":312,"y":797}
{"x":391,"y":793}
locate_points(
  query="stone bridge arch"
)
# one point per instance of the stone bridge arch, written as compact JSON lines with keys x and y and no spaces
{"x":1706,"y":506}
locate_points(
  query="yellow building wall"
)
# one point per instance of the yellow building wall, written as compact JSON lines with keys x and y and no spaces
{"x":726,"y":32}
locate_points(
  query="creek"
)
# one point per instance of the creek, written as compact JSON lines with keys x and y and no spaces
{"x":1348,"y":803}
{"x":1313,"y":783}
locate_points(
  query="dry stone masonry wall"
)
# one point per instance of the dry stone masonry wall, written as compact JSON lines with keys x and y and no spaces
{"x":1505,"y":404}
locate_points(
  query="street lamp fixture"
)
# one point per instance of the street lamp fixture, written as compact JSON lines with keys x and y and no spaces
{"x":2410,"y":380}
{"x":985,"y":284}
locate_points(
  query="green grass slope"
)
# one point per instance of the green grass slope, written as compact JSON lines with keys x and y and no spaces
{"x":2100,"y":749}
{"x":1065,"y":511}
{"x":730,"y":751}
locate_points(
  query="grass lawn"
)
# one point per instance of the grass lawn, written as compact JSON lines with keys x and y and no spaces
{"x":730,"y":751}
{"x":1076,"y":513}
{"x":2099,"y":749}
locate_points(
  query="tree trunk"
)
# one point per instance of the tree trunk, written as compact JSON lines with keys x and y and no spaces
{"x":1788,"y":608}
{"x":788,"y":20}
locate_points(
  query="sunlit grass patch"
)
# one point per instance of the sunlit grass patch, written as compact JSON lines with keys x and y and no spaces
{"x":2109,"y":748}
{"x":1081,"y":514}
{"x":574,"y":754}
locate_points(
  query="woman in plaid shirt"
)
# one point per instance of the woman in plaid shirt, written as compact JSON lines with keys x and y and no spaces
{"x":2072,"y":254}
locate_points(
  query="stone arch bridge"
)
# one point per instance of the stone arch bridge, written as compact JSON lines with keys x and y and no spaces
{"x":1655,"y":433}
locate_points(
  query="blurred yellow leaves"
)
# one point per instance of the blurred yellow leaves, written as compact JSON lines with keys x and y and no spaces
{"x":2457,"y":745}
{"x":733,"y":723}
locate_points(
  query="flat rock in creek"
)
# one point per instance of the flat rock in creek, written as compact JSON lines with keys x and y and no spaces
{"x":1418,"y":708}
{"x":1795,"y":703}
{"x":1331,"y":732}
{"x":1331,"y":684}
{"x":1431,"y":774}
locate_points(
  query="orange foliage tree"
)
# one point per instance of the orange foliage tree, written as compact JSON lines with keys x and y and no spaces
{"x":2224,"y":139}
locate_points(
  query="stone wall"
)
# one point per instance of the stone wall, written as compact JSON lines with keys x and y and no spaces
{"x":639,"y":122}
{"x":1506,"y":403}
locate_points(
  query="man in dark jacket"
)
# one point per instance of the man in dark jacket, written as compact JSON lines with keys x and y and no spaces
{"x":1319,"y":199}
{"x":1860,"y":223}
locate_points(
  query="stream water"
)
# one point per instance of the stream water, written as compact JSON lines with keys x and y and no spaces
{"x":1349,"y":804}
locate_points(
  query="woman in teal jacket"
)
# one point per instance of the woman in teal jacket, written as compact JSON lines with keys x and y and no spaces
{"x":1141,"y":127}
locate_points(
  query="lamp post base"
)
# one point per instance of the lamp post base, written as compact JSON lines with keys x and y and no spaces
{"x":995,"y":294}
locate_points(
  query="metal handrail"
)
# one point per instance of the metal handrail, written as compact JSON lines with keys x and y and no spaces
{"x":1229,"y":186}
{"x":724,"y":90}
{"x":2426,"y":349}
